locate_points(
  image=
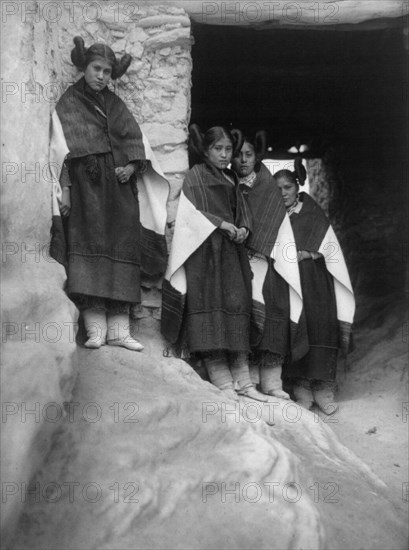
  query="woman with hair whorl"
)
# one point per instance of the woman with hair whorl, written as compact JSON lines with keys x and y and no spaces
{"x":276,"y":299}
{"x":207,"y":289}
{"x":102,"y":167}
{"x":327,"y":292}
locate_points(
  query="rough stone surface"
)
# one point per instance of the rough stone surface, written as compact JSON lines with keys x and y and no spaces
{"x":174,"y":160}
{"x":172,"y":38}
{"x":163,"y":134}
{"x":321,"y":184}
{"x":156,"y":87}
{"x":38,"y":321}
{"x":159,"y":20}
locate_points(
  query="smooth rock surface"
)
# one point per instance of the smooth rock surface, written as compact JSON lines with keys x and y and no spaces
{"x":38,"y":321}
{"x":151,"y":456}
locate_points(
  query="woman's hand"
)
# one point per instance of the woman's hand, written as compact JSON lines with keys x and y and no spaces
{"x":230,"y":229}
{"x":123,"y":173}
{"x":241,"y":235}
{"x":65,"y":206}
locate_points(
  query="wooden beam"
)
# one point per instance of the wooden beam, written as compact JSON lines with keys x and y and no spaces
{"x":308,"y":14}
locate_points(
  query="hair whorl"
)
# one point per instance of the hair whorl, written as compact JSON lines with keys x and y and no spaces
{"x":195,"y":143}
{"x":238,"y":140}
{"x":78,"y":53}
{"x":300,"y":171}
{"x":121,"y":67}
{"x":260,"y":144}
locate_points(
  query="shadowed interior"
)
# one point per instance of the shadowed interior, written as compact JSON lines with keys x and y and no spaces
{"x":344,"y":93}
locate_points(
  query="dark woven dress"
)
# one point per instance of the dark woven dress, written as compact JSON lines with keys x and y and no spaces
{"x":103,"y":232}
{"x":267,"y":212}
{"x":320,"y":363}
{"x":218,"y":299}
{"x":101,"y":242}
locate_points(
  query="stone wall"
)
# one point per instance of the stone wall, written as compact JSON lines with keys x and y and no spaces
{"x":156,"y":87}
{"x":321,"y":184}
{"x":39,"y":322}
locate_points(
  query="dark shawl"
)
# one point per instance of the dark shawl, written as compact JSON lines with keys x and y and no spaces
{"x":267,"y":211}
{"x":86,"y":132}
{"x":208,"y":192}
{"x":272,"y":329}
{"x":310,"y":227}
{"x":98,"y":123}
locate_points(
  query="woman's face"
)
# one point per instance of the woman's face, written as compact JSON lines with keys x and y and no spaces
{"x":97,"y":74}
{"x":244,"y":163}
{"x":288,"y":190}
{"x":219,"y":154}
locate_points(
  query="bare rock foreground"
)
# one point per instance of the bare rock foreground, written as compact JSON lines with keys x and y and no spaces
{"x":150,"y":456}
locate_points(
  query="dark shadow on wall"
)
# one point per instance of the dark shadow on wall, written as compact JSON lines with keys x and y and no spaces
{"x":342,"y":92}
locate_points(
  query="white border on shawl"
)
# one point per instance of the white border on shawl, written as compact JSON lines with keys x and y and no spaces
{"x":192,"y":228}
{"x":335,"y":263}
{"x":153,"y":192}
{"x":58,"y":151}
{"x":287,"y":266}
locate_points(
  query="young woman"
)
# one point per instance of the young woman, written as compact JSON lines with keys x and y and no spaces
{"x":327,"y":292}
{"x":98,"y":156}
{"x":207,"y":289}
{"x":276,"y":285}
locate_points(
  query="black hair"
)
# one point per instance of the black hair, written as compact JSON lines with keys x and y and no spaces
{"x":259,"y":144}
{"x":82,"y":57}
{"x":297,"y":177}
{"x":200,"y":143}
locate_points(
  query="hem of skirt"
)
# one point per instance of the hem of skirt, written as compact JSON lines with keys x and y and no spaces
{"x":261,"y":347}
{"x":207,"y":311}
{"x":320,"y":346}
{"x":231,"y":350}
{"x":73,"y":294}
{"x":288,"y":376}
{"x":106,"y":256}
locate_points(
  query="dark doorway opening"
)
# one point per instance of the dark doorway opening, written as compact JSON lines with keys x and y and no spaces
{"x":344,"y":94}
{"x":322,"y":86}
